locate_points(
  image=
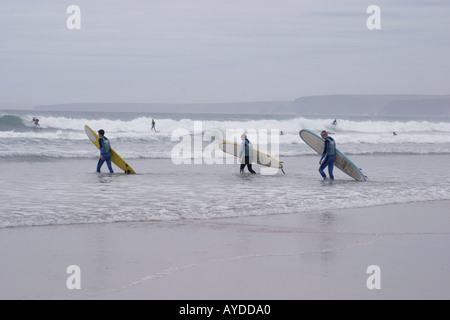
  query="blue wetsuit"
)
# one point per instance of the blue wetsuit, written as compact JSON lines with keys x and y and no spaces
{"x":328,"y":158}
{"x":105,"y":151}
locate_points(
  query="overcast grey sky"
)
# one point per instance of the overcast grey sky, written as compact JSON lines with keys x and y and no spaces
{"x":193,"y":51}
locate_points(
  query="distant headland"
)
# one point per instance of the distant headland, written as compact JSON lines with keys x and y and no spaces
{"x":338,"y":105}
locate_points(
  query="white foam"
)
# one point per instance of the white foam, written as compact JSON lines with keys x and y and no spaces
{"x":65,"y":136}
{"x":292,"y":126}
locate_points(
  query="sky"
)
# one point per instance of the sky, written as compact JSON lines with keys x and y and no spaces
{"x":210,"y":51}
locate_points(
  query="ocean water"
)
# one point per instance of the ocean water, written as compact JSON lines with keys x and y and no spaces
{"x":48,"y":174}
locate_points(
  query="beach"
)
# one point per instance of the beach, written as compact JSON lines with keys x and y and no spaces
{"x":188,"y":225}
{"x":316,"y":255}
{"x":290,"y":86}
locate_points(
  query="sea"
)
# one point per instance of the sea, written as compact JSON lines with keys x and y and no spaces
{"x":48,"y":173}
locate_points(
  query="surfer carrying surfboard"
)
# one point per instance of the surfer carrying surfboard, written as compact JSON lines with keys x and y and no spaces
{"x":105,"y":151}
{"x":328,"y":156}
{"x":245,"y":154}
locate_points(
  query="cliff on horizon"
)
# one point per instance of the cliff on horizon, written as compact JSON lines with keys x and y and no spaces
{"x":336,"y":105}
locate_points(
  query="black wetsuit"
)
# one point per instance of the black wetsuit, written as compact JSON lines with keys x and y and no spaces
{"x":245,"y":148}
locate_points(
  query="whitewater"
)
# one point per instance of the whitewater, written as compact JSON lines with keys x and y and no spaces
{"x":48,"y":173}
{"x":132,"y":131}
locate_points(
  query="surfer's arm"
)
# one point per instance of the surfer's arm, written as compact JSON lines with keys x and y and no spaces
{"x":242,"y":149}
{"x":100,"y":143}
{"x":325,"y":150}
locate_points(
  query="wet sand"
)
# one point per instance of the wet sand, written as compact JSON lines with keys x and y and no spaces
{"x":316,"y":255}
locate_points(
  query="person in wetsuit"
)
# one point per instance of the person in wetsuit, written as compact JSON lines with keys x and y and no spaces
{"x":36,"y":122}
{"x":245,"y":154}
{"x":153,"y":125}
{"x":328,"y":156}
{"x":105,"y":151}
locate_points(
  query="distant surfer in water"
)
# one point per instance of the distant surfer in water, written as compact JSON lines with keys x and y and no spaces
{"x":105,"y":151}
{"x":245,"y":154}
{"x":36,"y":122}
{"x":335,"y":122}
{"x":153,"y":125}
{"x":328,"y":156}
{"x":394,"y":133}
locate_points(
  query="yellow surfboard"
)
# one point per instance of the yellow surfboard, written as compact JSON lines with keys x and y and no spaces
{"x":115,"y":158}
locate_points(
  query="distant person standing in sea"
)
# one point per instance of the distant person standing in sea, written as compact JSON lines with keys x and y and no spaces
{"x":153,"y":125}
{"x":328,"y":156}
{"x":245,"y":154}
{"x":105,"y":151}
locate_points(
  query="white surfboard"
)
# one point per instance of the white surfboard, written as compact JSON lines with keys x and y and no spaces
{"x":342,"y":161}
{"x":257,"y":156}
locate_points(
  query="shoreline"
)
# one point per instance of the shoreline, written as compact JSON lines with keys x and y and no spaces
{"x":319,"y":211}
{"x":310,"y":255}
